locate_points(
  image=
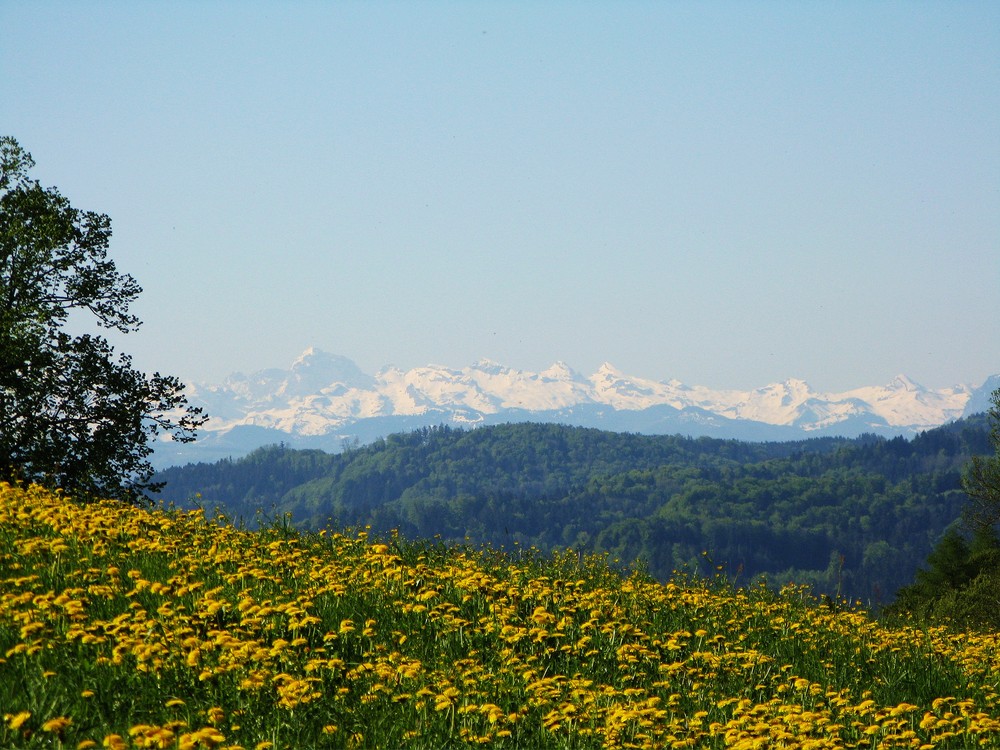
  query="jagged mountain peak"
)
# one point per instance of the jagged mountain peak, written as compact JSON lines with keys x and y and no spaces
{"x":491,"y":367}
{"x":607,"y":368}
{"x":314,"y":359}
{"x":980,"y":399}
{"x":323,"y":394}
{"x":316,"y":369}
{"x":796,"y":385}
{"x":310,"y":353}
{"x":903,"y":382}
{"x":559,"y":371}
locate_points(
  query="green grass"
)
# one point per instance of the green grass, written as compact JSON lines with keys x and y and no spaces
{"x":122,"y":627}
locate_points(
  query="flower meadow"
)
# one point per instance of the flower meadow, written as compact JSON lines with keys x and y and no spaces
{"x":123,"y":627}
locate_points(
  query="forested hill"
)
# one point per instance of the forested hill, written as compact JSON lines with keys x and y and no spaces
{"x":855,"y":517}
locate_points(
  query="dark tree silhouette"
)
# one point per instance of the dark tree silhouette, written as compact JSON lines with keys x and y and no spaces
{"x":73,"y":414}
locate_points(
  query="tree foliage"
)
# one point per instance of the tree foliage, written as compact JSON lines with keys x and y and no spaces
{"x":73,"y":414}
{"x":855,"y":517}
{"x":960,"y":583}
{"x":981,"y":480}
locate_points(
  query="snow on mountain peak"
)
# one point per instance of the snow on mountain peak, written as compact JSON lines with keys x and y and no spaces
{"x":559,"y":371}
{"x":789,"y":386}
{"x":324,"y":393}
{"x":489,"y":366}
{"x":902,"y":382}
{"x":317,"y":358}
{"x":607,"y":368}
{"x":310,"y":352}
{"x":315,"y":370}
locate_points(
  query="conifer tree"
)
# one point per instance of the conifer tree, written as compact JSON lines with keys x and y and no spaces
{"x":961,"y":584}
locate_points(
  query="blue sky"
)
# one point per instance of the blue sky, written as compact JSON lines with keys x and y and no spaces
{"x":729,"y":194}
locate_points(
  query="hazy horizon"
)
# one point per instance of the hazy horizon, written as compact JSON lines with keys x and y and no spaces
{"x":729,"y":194}
{"x":287,"y":366}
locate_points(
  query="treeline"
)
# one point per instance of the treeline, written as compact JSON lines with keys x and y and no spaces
{"x":855,"y":518}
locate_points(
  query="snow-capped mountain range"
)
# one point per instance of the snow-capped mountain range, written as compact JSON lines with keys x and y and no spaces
{"x":324,"y":399}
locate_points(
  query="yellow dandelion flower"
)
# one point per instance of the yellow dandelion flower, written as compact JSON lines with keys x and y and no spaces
{"x":57,"y":725}
{"x":18,"y":719}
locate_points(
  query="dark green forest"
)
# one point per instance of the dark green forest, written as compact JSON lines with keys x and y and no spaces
{"x":850,"y":517}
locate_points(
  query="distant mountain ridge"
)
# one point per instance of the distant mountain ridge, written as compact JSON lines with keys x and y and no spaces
{"x":325,"y":399}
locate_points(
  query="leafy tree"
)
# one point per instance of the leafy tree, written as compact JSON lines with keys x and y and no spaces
{"x":72,"y":414}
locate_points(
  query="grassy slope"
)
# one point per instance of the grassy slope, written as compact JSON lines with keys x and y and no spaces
{"x":857,"y":517}
{"x":121,"y":627}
